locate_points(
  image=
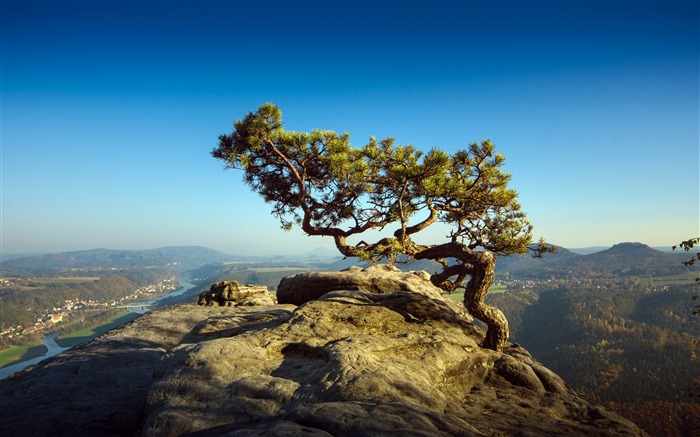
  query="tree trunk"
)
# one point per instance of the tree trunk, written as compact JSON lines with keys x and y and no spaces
{"x":480,"y":265}
{"x":474,"y":294}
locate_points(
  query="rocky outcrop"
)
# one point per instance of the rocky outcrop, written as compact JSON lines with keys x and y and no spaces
{"x":231,"y":293}
{"x":381,"y":278}
{"x":348,"y":363}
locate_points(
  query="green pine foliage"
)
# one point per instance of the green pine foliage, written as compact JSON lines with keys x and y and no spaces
{"x":318,"y":181}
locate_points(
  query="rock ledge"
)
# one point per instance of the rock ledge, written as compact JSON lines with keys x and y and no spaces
{"x":349,"y":363}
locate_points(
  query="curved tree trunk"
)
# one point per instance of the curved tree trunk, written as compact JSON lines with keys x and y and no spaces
{"x":480,"y":265}
{"x":477,"y":287}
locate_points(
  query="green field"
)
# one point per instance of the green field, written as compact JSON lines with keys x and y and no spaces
{"x":21,"y":353}
{"x":679,"y":279}
{"x":87,"y":334}
{"x":459,"y":295}
{"x":498,"y":288}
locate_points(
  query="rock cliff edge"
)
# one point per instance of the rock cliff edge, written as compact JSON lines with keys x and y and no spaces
{"x":349,"y":362}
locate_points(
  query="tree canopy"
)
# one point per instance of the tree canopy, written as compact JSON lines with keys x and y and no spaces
{"x":321,"y":183}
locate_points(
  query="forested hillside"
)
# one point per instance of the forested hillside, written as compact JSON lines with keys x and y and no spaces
{"x":614,"y":340}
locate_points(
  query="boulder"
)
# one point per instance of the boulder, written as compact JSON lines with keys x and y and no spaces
{"x":347,"y":363}
{"x":381,"y":278}
{"x":231,"y":293}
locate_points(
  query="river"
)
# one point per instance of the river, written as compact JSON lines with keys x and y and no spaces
{"x":54,"y":349}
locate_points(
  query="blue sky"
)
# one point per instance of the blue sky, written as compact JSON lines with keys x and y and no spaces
{"x":111,"y":108}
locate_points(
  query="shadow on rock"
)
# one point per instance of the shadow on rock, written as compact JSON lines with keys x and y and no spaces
{"x":87,"y":391}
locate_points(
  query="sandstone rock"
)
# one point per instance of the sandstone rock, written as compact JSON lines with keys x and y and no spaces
{"x":232,"y":293}
{"x":348,"y":363}
{"x":99,"y":387}
{"x":382,"y":278}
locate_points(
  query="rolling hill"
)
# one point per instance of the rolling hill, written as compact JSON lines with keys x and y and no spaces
{"x":179,"y":257}
{"x":624,"y":259}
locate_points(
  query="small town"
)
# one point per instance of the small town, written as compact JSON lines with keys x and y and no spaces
{"x":57,"y":314}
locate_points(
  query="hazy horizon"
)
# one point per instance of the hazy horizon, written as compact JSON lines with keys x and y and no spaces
{"x":330,"y":250}
{"x":109,"y":111}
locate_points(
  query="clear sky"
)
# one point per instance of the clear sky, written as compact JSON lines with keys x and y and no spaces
{"x":110,"y":110}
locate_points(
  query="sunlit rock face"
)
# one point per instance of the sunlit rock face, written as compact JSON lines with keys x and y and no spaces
{"x":231,"y":293}
{"x":377,"y":279}
{"x":348,"y":363}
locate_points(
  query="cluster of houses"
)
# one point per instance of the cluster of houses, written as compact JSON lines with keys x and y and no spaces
{"x":56,"y":315}
{"x":4,"y":282}
{"x":40,"y":325}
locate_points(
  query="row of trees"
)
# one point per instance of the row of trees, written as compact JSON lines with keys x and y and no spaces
{"x":321,"y":183}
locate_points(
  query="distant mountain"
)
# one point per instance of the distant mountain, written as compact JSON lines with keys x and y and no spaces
{"x":6,"y":256}
{"x":551,"y":265}
{"x":630,"y":249}
{"x":321,"y":252}
{"x":624,"y":259}
{"x":632,"y":259}
{"x":314,"y":254}
{"x":178,"y":257}
{"x":594,"y":249}
{"x":525,"y":266}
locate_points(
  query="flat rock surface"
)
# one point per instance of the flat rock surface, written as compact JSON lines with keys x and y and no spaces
{"x":347,"y":364}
